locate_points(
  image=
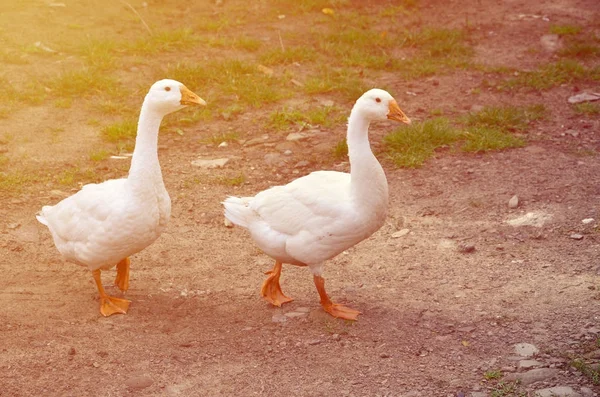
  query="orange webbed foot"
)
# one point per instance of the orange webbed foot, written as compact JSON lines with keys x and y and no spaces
{"x":341,"y":311}
{"x":110,"y":305}
{"x":271,"y":290}
{"x":335,"y":309}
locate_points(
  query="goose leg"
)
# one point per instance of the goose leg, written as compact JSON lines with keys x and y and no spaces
{"x":122,"y":279}
{"x":108,"y":304}
{"x":271,"y":290}
{"x":335,"y":309}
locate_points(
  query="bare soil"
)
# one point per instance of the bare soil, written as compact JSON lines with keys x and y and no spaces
{"x":435,"y":318}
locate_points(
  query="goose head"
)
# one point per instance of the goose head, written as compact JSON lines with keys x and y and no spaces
{"x":168,"y":96}
{"x":377,"y":104}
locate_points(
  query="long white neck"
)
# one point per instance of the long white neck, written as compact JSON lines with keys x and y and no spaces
{"x":368,"y":181}
{"x":145,"y":168}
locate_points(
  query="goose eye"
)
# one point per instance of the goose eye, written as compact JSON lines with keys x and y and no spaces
{"x":167,"y":88}
{"x":377,"y":99}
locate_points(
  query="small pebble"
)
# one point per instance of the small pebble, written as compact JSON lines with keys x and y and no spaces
{"x":466,"y":248}
{"x":576,"y":236}
{"x":513,"y":202}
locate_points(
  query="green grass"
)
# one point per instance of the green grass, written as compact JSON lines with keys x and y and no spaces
{"x":490,"y":129}
{"x":483,"y":139}
{"x":165,"y":41}
{"x":345,"y":82}
{"x":241,"y":80}
{"x":492,"y":374}
{"x":325,"y":116}
{"x":509,"y":118}
{"x":120,"y":131}
{"x":73,"y":176}
{"x":592,"y":374}
{"x":503,"y":389}
{"x":83,"y":83}
{"x":216,"y":139}
{"x":14,"y":181}
{"x":212,"y":25}
{"x":587,"y":108}
{"x":563,"y":30}
{"x":580,"y":49}
{"x":99,"y":54}
{"x":340,"y":150}
{"x":63,"y":103}
{"x":306,"y":6}
{"x":409,"y":146}
{"x":439,"y":43}
{"x":288,"y":56}
{"x":99,"y":155}
{"x":30,"y":94}
{"x":236,"y":180}
{"x":552,"y":75}
{"x":235,"y":43}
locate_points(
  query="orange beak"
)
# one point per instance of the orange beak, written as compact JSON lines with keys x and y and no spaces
{"x":396,"y":113}
{"x":189,"y":98}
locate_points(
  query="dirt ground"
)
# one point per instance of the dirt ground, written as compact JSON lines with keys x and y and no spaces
{"x":434,"y":318}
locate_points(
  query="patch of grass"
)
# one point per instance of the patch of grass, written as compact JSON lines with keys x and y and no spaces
{"x":288,"y":56}
{"x":3,"y":160}
{"x":30,"y":94}
{"x":343,"y":81}
{"x":592,"y":373}
{"x":439,"y":43}
{"x":99,"y":155}
{"x":236,"y":180}
{"x":563,"y":30}
{"x":509,"y":118}
{"x":551,"y":75}
{"x":587,"y":108}
{"x":355,"y":47}
{"x":216,"y":139}
{"x":410,"y":146}
{"x":492,"y":374}
{"x":398,"y":10}
{"x":483,"y":139}
{"x":580,"y":49}
{"x":232,"y":77}
{"x":120,"y":131}
{"x":212,"y":24}
{"x":63,"y":103}
{"x":13,"y":58}
{"x":99,"y":54}
{"x":15,"y":181}
{"x":164,"y":41}
{"x":503,"y":389}
{"x":436,"y":50}
{"x":340,"y":150}
{"x":82,"y":83}
{"x":305,"y":6}
{"x":237,"y":43}
{"x":324,"y":116}
{"x":73,"y":176}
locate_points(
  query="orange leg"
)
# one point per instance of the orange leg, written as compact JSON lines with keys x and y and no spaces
{"x":336,"y":310}
{"x":108,"y":304}
{"x":271,"y":290}
{"x":122,"y":279}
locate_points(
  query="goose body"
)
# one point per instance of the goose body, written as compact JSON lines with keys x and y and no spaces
{"x":103,"y":224}
{"x":316,"y":217}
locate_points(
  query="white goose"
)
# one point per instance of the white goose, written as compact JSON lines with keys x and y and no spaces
{"x":103,"y":224}
{"x":318,"y":216}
